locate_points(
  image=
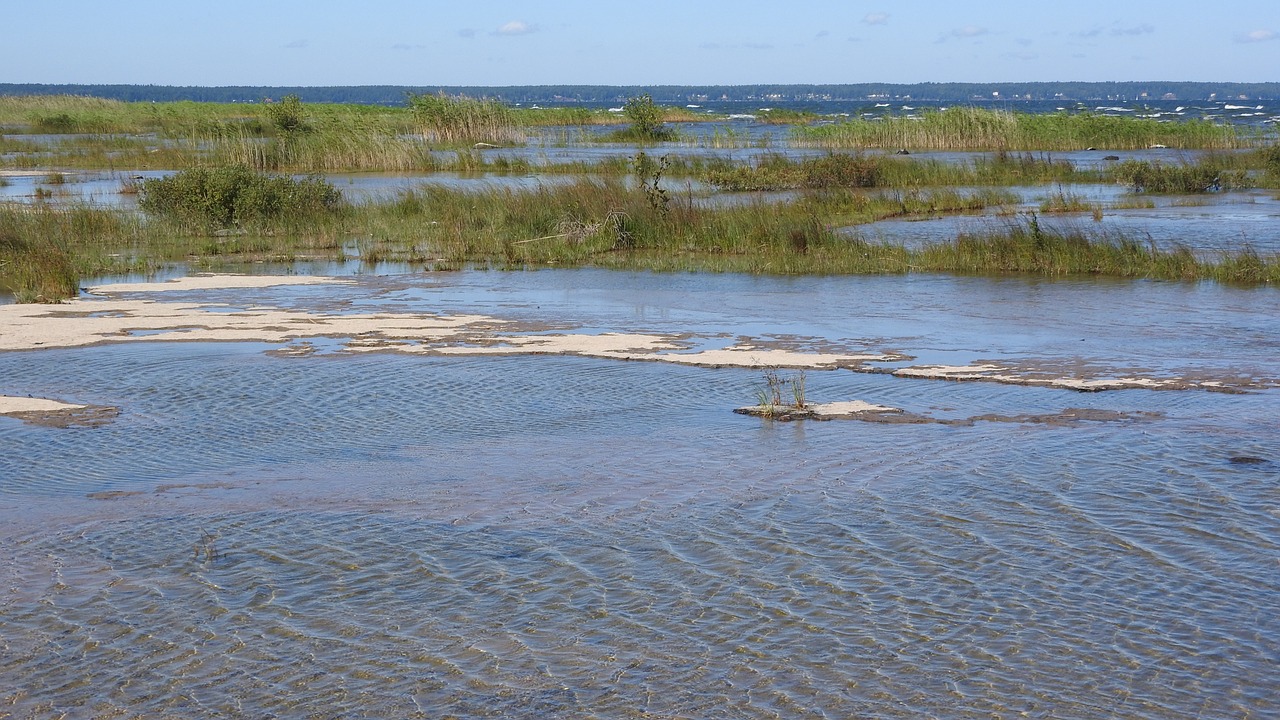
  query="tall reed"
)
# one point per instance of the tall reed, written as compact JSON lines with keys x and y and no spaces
{"x":463,"y":119}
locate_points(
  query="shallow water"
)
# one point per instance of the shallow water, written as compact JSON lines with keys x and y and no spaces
{"x":1209,"y":225}
{"x":558,"y":536}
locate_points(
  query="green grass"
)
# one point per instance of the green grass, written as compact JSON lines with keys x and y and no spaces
{"x":599,"y":223}
{"x":968,"y":128}
{"x":44,"y":251}
{"x":1208,"y":175}
{"x":455,"y":120}
{"x":603,"y":219}
{"x":778,"y":172}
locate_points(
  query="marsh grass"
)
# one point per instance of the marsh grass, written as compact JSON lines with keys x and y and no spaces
{"x":620,"y":216}
{"x":600,"y":223}
{"x":970,"y":128}
{"x":44,"y":251}
{"x":1065,"y":201}
{"x":779,"y":172}
{"x":461,"y":119}
{"x":1204,"y":176}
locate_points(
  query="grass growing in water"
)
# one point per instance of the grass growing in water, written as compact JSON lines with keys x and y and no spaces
{"x":969,"y":128}
{"x":462,"y":119}
{"x":602,"y":223}
{"x":1187,"y":178}
{"x":209,"y":199}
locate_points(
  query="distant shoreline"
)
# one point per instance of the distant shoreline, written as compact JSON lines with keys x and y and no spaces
{"x":999,"y":92}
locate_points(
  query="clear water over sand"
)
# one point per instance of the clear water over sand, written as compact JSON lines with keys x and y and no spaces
{"x":391,"y":535}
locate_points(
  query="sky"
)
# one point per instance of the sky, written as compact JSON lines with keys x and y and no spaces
{"x":636,"y":42}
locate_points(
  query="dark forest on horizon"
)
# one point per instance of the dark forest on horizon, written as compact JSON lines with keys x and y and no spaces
{"x":671,"y":94}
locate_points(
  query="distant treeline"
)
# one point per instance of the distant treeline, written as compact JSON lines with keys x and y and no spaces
{"x":671,"y":94}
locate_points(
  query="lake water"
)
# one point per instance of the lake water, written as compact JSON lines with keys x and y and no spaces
{"x":390,"y":535}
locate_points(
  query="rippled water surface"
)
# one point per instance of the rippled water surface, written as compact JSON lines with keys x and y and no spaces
{"x":384,"y":535}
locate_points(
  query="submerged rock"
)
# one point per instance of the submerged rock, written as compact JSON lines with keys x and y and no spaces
{"x":1248,"y":460}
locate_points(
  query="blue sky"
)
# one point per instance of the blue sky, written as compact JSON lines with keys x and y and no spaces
{"x":639,"y":42}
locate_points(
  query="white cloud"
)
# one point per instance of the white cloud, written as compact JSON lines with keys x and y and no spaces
{"x":515,"y":27}
{"x":297,"y":44}
{"x":876,"y":18}
{"x":1257,"y":36}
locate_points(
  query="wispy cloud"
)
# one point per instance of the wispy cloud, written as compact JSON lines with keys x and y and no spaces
{"x":967,"y":32}
{"x":467,"y":33}
{"x":515,"y":27}
{"x":876,"y":18}
{"x":296,"y":44}
{"x":1115,"y":30}
{"x":1143,"y":29}
{"x":1254,"y":36}
{"x":735,"y":46}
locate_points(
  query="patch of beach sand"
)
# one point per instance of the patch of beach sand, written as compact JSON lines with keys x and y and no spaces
{"x":55,"y":413}
{"x":997,"y":373}
{"x":621,"y":346}
{"x":624,"y":346}
{"x":773,"y":358}
{"x":10,"y":405}
{"x":107,"y":318}
{"x":849,"y":407}
{"x":88,"y":322}
{"x":218,"y":282}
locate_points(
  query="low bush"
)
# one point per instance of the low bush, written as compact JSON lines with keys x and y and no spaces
{"x":235,"y":196}
{"x":646,"y":122}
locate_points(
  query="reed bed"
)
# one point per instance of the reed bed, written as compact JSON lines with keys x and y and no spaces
{"x":44,"y":251}
{"x":778,"y":172}
{"x":968,"y":128}
{"x":460,"y":119}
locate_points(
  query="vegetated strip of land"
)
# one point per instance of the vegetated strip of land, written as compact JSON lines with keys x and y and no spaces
{"x":289,"y":135}
{"x":44,"y":251}
{"x":226,"y":210}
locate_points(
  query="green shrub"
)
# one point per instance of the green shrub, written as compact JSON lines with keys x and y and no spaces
{"x":235,"y":196}
{"x":287,"y":115}
{"x":646,"y":122}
